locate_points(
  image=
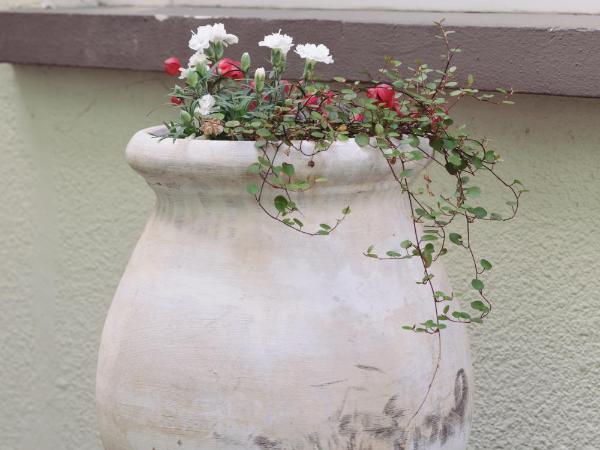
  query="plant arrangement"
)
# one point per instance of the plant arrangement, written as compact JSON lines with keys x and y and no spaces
{"x":224,"y":99}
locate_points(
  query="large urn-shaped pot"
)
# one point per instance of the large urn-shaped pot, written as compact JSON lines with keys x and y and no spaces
{"x":231,"y":331}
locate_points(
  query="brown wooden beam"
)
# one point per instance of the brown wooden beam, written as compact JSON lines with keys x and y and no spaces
{"x":518,"y":50}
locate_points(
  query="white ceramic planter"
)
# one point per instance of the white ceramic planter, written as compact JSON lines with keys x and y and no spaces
{"x":230,"y":331}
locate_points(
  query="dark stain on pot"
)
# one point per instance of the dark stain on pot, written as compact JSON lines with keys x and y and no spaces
{"x":370,"y":368}
{"x":392,"y":408}
{"x":368,"y":431}
{"x":329,"y":383}
{"x":264,"y":443}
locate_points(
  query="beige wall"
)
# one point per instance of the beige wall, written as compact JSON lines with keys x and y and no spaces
{"x":72,"y":210}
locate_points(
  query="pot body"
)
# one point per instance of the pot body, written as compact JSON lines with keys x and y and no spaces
{"x":231,"y":331}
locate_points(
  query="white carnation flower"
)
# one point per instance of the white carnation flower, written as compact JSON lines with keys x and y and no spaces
{"x":200,"y":40}
{"x":279,"y":41}
{"x":197,"y":58}
{"x":312,"y":52}
{"x":185,"y":72}
{"x":206,"y":105}
{"x":218,"y":34}
{"x":206,"y":34}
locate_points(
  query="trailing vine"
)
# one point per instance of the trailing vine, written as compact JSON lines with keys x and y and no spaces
{"x":404,"y":115}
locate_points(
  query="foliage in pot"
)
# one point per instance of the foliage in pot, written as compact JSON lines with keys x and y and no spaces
{"x":221,"y":99}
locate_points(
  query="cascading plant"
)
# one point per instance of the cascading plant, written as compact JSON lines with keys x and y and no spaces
{"x":223,"y":99}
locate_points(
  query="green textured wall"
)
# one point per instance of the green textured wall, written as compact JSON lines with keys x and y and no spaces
{"x":72,"y":210}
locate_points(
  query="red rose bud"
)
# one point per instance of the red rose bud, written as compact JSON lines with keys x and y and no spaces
{"x":359,"y":117}
{"x":230,"y":69}
{"x":384,"y":93}
{"x":172,"y":66}
{"x":176,"y":100}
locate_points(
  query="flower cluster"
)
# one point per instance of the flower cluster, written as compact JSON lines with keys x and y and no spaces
{"x":222,"y":98}
{"x":222,"y":91}
{"x":209,"y":96}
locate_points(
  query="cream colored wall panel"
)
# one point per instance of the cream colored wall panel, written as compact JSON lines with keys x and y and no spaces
{"x":72,"y":211}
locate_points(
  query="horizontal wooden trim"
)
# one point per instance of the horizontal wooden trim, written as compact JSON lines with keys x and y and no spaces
{"x":541,"y":54}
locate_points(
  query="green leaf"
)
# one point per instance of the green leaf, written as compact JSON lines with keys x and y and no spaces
{"x":477,"y":284}
{"x":461,"y":315}
{"x":393,"y":254}
{"x":479,"y":306}
{"x":252,"y":189}
{"x":263,"y":132}
{"x":406,"y":173}
{"x":346,"y":210}
{"x":361,"y":140}
{"x":455,"y":159}
{"x":185,"y":117}
{"x":325,"y":226}
{"x":406,"y":244}
{"x":298,"y":222}
{"x":288,"y":169}
{"x":486,"y":264}
{"x":478,"y":212}
{"x":192,"y":79}
{"x":473,"y":191}
{"x":264,"y":161}
{"x":455,"y":238}
{"x":254,"y":168}
{"x":232,"y":124}
{"x":299,"y":186}
{"x":413,"y":140}
{"x":416,"y":155}
{"x":281,"y":203}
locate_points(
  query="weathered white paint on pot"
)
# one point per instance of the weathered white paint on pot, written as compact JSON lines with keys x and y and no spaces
{"x":231,"y":331}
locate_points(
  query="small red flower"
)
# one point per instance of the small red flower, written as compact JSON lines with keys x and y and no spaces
{"x":172,"y":66}
{"x":176,"y":100}
{"x":230,"y":69}
{"x":312,"y":100}
{"x":320,"y":98}
{"x":384,"y":93}
{"x":435,"y":118}
{"x":359,"y":117}
{"x":287,"y":87}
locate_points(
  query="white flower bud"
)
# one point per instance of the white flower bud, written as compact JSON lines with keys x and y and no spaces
{"x":259,"y":79}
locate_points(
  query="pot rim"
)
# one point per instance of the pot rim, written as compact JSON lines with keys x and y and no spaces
{"x":342,"y":163}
